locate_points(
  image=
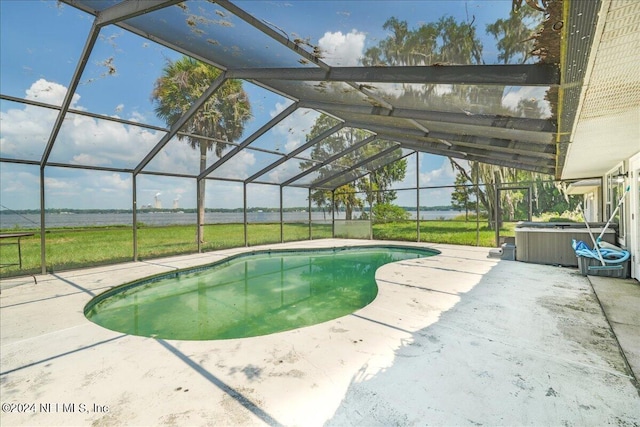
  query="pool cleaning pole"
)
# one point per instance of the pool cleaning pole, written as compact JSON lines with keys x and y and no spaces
{"x":595,"y":245}
{"x":613,"y":214}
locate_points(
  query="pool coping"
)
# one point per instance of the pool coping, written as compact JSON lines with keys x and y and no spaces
{"x":191,"y":270}
{"x":195,"y":269}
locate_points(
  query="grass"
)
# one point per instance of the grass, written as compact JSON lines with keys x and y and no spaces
{"x":69,"y":248}
{"x":451,"y":232}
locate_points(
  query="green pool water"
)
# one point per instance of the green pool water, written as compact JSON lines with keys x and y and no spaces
{"x":248,"y":295}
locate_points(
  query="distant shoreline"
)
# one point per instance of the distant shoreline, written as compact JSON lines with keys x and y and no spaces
{"x":208,"y":210}
{"x":71,"y":218}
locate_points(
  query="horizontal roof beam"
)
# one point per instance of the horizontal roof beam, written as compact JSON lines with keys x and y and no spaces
{"x":483,"y":120}
{"x":513,"y":159}
{"x":441,"y":149}
{"x":496,"y":143}
{"x":515,"y":149}
{"x":502,"y":75}
{"x":445,"y":147}
{"x":513,"y":164}
{"x":449,"y":140}
{"x":372,"y":127}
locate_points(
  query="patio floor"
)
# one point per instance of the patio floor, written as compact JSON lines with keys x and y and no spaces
{"x":454,"y":339}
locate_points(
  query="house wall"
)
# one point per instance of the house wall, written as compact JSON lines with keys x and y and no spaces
{"x":621,"y":186}
{"x":634,"y":214}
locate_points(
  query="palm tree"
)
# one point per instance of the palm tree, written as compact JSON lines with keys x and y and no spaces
{"x":346,"y":196}
{"x":222,"y":117}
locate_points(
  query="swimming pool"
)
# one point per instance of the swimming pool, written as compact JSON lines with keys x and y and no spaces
{"x":251,"y":294}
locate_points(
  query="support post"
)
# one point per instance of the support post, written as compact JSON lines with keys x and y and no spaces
{"x":199,"y":224}
{"x":477,"y":207}
{"x":244,"y":212}
{"x":134,"y":205}
{"x":418,"y":196}
{"x":370,"y":217}
{"x":281,"y":218}
{"x":333,"y":214}
{"x":497,"y":215}
{"x":43,"y":252}
{"x":310,"y":231}
{"x":529,"y":216}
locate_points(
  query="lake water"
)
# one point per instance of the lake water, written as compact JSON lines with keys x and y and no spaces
{"x":10,"y":220}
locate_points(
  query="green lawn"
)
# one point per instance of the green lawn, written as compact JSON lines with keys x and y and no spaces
{"x":69,"y":248}
{"x":452,"y":232}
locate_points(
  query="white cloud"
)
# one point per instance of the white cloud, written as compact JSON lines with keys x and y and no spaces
{"x":341,"y":49}
{"x":242,"y":161}
{"x":55,"y":184}
{"x":50,"y":93}
{"x":88,"y":141}
{"x":25,"y":132}
{"x":16,"y":181}
{"x":434,"y":171}
{"x":444,"y":175}
{"x":176,"y":157}
{"x":82,"y":140}
{"x":279,"y":108}
{"x":88,"y":159}
{"x":514,"y":95}
{"x":137,"y":117}
{"x":94,"y":189}
{"x":238,"y":166}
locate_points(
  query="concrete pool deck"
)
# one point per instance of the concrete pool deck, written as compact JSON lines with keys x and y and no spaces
{"x":454,"y":339}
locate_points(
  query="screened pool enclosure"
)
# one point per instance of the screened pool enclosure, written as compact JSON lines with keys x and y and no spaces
{"x":294,"y":119}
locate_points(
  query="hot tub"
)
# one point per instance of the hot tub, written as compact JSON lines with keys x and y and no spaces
{"x":550,"y":242}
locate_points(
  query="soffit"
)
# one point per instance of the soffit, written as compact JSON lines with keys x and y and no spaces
{"x":607,"y":129}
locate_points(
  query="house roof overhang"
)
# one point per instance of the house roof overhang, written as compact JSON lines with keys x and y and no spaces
{"x":600,"y":121}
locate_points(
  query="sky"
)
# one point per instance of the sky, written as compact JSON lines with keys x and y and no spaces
{"x":41,"y":42}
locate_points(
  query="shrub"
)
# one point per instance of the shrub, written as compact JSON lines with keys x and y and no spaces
{"x":386,"y":212}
